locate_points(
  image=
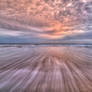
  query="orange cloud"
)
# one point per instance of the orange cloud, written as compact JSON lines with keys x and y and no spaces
{"x":44,"y":18}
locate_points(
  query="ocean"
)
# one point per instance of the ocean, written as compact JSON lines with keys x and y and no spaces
{"x":45,"y":68}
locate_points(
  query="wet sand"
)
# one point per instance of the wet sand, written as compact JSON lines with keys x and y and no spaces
{"x":45,"y":69}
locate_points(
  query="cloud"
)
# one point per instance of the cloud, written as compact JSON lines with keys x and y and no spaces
{"x":82,"y":36}
{"x":9,"y":33}
{"x":45,"y":19}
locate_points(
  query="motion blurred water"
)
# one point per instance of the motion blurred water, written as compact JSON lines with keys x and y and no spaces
{"x":45,"y":68}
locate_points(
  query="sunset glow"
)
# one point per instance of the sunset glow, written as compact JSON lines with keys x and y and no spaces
{"x":46,"y":19}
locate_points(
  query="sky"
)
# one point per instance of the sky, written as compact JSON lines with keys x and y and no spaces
{"x":27,"y":21}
